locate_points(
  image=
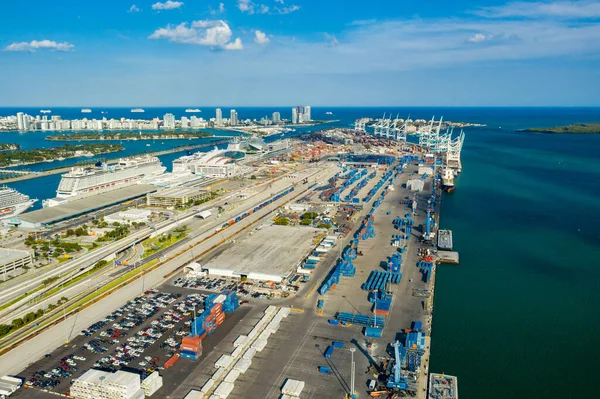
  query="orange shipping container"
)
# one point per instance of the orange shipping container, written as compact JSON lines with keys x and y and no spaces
{"x":217,"y":308}
{"x":191,"y":340}
{"x":210,"y":317}
{"x":171,"y":361}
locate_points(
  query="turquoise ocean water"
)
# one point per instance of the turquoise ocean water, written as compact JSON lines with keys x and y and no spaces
{"x":518,"y":318}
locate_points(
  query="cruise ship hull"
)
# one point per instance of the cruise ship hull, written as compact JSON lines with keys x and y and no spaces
{"x":14,"y":210}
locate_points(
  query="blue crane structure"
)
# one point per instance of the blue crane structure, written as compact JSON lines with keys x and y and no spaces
{"x":397,"y":381}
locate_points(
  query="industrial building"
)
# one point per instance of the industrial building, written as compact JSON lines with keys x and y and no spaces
{"x":177,"y":196}
{"x":215,"y":163}
{"x":269,"y":254}
{"x":97,"y":384}
{"x":12,"y":259}
{"x":129,"y":216}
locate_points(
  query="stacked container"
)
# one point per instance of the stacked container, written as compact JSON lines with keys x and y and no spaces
{"x":191,"y":347}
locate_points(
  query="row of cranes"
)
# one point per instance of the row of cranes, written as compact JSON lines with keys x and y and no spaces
{"x":430,"y":136}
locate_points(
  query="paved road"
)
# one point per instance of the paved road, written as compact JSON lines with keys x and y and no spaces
{"x":17,"y":359}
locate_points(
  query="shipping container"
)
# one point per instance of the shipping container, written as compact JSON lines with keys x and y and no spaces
{"x":373,"y":332}
{"x":171,"y":361}
{"x":329,"y":351}
{"x":324,"y":370}
{"x":338,"y":344}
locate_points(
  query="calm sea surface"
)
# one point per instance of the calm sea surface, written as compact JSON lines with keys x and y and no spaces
{"x":519,"y":317}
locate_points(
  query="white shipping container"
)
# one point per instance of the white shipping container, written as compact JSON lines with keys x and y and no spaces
{"x":292,"y":387}
{"x":208,"y":385}
{"x":242,"y":365}
{"x":224,"y":361}
{"x":214,"y":397}
{"x":270,"y":310}
{"x":238,"y":351}
{"x":332,"y":238}
{"x":224,"y":389}
{"x":265,"y":335}
{"x":249,"y":354}
{"x":259,"y":344}
{"x":221,"y":298}
{"x":284,"y":312}
{"x":233,"y":375}
{"x":302,"y":270}
{"x":252,"y":333}
{"x":220,"y":373}
{"x":242,"y":340}
{"x":193,"y":394}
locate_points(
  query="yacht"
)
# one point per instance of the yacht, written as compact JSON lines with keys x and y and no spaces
{"x":86,"y":110}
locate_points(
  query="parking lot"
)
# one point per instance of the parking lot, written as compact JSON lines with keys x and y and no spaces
{"x":139,"y":336}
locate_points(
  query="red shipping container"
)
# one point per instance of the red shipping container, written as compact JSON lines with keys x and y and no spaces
{"x":171,"y":360}
{"x":191,"y":341}
{"x":217,"y":308}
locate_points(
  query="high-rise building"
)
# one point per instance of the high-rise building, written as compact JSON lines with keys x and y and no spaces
{"x":294,"y":115}
{"x":276,"y":118}
{"x":169,"y":121}
{"x":307,"y":117}
{"x":20,"y":121}
{"x":219,"y":119}
{"x":233,"y":117}
{"x":185,"y":122}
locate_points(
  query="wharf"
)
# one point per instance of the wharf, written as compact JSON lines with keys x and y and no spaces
{"x":445,"y":240}
{"x":442,"y":386}
{"x":448,"y":257}
{"x":82,"y":206}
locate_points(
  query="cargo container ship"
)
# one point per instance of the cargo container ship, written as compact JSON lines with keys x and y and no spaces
{"x":13,"y":203}
{"x":448,"y":180}
{"x":83,"y":182}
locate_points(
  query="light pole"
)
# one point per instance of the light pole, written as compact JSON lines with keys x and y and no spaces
{"x":352,"y":376}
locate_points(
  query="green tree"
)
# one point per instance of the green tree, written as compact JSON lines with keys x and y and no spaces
{"x":253,"y":177}
{"x":17,"y":323}
{"x":4,"y":329}
{"x":29,"y":317}
{"x":282,"y":221}
{"x":39,"y":313}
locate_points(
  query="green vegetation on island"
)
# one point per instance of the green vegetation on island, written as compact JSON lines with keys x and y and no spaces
{"x":116,"y":136}
{"x":9,"y":147}
{"x":36,"y":155}
{"x":577,"y":128}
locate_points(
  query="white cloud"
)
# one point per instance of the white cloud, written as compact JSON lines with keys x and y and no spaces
{"x":249,"y":7}
{"x":221,"y":10}
{"x":40,"y":45}
{"x":287,"y":10}
{"x":167,"y":5}
{"x":261,"y":37}
{"x":134,"y":8}
{"x":333,"y":41}
{"x":578,"y":9}
{"x":478,"y":37}
{"x":216,"y":34}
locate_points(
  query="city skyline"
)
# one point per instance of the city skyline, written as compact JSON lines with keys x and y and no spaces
{"x":272,"y":52}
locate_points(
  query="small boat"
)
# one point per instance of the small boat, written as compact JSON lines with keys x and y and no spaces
{"x":328,"y":113}
{"x":147,"y":145}
{"x":86,"y":110}
{"x":45,"y":111}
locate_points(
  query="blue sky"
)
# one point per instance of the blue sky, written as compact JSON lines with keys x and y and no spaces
{"x":274,"y":52}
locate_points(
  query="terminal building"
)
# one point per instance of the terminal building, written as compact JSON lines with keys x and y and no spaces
{"x":129,"y":216}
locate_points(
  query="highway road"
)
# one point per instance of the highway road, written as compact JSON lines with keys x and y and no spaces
{"x":20,"y":357}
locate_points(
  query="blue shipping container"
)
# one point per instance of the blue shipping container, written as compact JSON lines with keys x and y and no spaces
{"x":338,"y":344}
{"x":373,"y":332}
{"x":328,"y":352}
{"x":334,"y":322}
{"x":324,"y":370}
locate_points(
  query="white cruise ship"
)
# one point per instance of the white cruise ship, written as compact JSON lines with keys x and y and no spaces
{"x":192,"y":110}
{"x":13,"y":203}
{"x":137,"y":110}
{"x":86,"y":110}
{"x":83,"y":182}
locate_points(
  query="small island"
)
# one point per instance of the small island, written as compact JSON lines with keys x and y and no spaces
{"x":36,"y":155}
{"x":578,"y":128}
{"x":9,"y":146}
{"x":121,"y":136}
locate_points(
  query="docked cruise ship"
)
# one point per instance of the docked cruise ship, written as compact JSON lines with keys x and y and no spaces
{"x":13,"y":203}
{"x":83,"y":182}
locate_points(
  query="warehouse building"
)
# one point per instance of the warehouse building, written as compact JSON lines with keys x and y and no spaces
{"x":12,"y":259}
{"x":129,"y":216}
{"x":177,"y":196}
